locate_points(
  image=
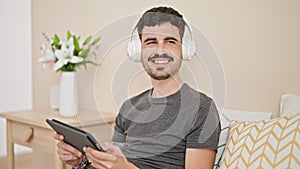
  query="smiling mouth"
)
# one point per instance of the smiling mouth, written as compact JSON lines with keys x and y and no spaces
{"x":161,"y":59}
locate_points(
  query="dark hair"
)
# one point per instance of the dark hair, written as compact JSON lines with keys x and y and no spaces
{"x":159,"y":15}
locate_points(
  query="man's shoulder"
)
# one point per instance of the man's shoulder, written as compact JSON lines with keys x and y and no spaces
{"x":192,"y":92}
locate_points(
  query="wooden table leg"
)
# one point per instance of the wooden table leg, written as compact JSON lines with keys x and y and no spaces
{"x":10,"y":145}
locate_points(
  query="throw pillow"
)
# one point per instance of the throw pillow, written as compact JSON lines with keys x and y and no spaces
{"x":271,"y":143}
{"x":226,"y":116}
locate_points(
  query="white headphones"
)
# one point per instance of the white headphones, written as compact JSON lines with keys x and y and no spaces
{"x":188,"y":46}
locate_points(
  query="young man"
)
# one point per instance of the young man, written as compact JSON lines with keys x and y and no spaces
{"x":168,"y":126}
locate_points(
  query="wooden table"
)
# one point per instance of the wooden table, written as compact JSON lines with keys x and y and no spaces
{"x":28,"y":128}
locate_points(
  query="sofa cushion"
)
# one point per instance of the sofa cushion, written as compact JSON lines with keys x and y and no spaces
{"x":290,"y":104}
{"x":228,"y":115}
{"x":271,"y":143}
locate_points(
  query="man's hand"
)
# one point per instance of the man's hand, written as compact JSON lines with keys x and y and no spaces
{"x":68,"y":154}
{"x":112,"y":158}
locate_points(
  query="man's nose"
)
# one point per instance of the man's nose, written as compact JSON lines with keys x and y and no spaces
{"x":160,"y":45}
{"x":160,"y":48}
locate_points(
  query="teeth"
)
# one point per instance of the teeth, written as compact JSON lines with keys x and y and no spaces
{"x":161,"y":61}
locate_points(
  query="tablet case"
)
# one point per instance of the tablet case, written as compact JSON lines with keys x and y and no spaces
{"x":74,"y":136}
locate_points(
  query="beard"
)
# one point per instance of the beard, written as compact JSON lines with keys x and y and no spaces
{"x":162,"y":72}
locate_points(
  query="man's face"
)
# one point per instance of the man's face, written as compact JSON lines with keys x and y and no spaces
{"x":161,"y":50}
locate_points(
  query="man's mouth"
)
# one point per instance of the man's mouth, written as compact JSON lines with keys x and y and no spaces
{"x":160,"y":59}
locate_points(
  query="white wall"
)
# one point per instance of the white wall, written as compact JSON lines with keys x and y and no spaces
{"x":257,"y":41}
{"x":15,"y":64}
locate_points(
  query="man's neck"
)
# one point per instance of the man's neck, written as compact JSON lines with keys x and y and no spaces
{"x":163,"y":88}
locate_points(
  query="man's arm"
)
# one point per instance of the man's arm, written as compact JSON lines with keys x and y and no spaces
{"x":199,"y":158}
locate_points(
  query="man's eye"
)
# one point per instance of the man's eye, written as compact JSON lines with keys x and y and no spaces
{"x":150,"y":42}
{"x":172,"y":41}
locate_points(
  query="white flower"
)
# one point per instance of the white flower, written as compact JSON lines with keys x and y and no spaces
{"x":47,"y":54}
{"x":65,"y":55}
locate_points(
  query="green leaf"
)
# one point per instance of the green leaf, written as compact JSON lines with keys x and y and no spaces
{"x":70,"y":67}
{"x":93,"y":63}
{"x":76,"y":45}
{"x":82,"y":63}
{"x":85,"y":62}
{"x":96,"y":41}
{"x":56,"y":41}
{"x":83,"y":53}
{"x":69,"y":35}
{"x":87,"y":40}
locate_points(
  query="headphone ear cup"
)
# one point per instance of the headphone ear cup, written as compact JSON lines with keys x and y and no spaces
{"x":188,"y":49}
{"x":134,"y":50}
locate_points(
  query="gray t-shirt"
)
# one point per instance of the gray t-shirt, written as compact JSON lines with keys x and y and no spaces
{"x":155,"y":132}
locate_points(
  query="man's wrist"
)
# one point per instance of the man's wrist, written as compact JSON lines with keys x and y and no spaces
{"x":83,"y":164}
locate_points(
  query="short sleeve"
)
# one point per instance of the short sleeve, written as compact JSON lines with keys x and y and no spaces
{"x":206,"y":127}
{"x":119,"y":135}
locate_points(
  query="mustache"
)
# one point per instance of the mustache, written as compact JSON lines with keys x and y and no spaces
{"x":155,"y":56}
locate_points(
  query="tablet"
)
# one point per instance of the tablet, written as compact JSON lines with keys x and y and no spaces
{"x":74,"y":136}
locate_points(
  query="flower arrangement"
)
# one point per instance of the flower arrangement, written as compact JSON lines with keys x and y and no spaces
{"x":70,"y":54}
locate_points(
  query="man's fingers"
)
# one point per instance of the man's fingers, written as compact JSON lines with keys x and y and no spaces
{"x":67,"y":149}
{"x":98,"y":156}
{"x":100,"y":159}
{"x":68,"y":157}
{"x":58,"y":137}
